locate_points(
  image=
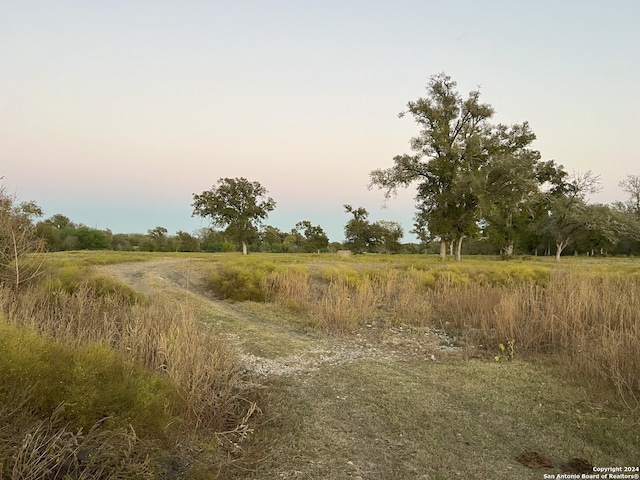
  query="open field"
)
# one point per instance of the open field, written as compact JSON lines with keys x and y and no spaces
{"x":379,"y":367}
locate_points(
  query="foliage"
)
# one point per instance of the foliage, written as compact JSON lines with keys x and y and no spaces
{"x":631,"y":186}
{"x":93,"y":392}
{"x":507,"y":352}
{"x":237,"y":204}
{"x":512,"y":195}
{"x":18,"y":241}
{"x":358,"y":235}
{"x":567,"y":213}
{"x":315,"y":239}
{"x":240,"y":280}
{"x":94,"y":382}
{"x":74,"y":278}
{"x":60,"y":233}
{"x":449,"y":151}
{"x":363,"y":236}
{"x":185,"y":242}
{"x":95,"y":337}
{"x":467,"y":171}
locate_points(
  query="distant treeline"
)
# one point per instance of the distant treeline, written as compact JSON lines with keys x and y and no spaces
{"x":60,"y":233}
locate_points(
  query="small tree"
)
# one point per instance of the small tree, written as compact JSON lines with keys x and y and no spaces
{"x":158,"y":239}
{"x":272,"y":239}
{"x":631,"y":186}
{"x":237,"y":204}
{"x":567,"y":210}
{"x":185,"y":242}
{"x":388,"y":234}
{"x":315,"y":238}
{"x":358,"y":233}
{"x":18,"y":241}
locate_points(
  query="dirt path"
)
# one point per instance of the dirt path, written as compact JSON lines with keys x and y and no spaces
{"x":269,"y":348}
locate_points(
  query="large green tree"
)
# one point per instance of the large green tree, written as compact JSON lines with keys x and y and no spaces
{"x":567,"y":214}
{"x":452,"y":163}
{"x":515,"y":185}
{"x":446,"y":157}
{"x":237,"y":204}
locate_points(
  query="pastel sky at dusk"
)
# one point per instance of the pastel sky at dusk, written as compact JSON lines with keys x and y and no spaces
{"x":114,"y":113}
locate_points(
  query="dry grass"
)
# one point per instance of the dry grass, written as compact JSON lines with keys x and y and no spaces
{"x":593,"y":322}
{"x":50,"y":449}
{"x":211,"y":400}
{"x":413,"y":419}
{"x":589,"y":316}
{"x":161,"y":335}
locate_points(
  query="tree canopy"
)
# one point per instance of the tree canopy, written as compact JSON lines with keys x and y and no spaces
{"x":364,"y":236}
{"x":467,"y":170}
{"x":237,"y":204}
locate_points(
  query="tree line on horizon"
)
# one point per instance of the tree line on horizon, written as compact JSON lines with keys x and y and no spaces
{"x":477,"y":182}
{"x":618,"y":237}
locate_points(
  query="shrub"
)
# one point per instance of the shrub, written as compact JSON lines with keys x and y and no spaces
{"x":289,"y":286}
{"x":240,"y":281}
{"x":72,"y":278}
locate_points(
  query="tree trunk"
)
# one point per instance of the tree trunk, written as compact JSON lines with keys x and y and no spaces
{"x":459,"y":248}
{"x":508,"y":250}
{"x":451,"y":247}
{"x":244,"y":248}
{"x":559,"y":248}
{"x":443,"y":249}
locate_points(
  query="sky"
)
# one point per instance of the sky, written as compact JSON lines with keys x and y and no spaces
{"x":114,"y":113}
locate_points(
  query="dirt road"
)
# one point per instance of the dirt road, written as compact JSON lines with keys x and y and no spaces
{"x":267,"y":347}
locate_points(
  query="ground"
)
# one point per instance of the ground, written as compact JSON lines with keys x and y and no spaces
{"x":395,"y":403}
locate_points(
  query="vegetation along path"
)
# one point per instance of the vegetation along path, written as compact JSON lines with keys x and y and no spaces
{"x":393,"y":403}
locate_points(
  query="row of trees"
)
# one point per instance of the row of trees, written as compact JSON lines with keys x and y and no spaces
{"x":305,"y":237}
{"x":240,"y":206}
{"x":569,"y":220}
{"x":474,"y":178}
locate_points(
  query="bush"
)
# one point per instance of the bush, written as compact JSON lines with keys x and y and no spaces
{"x":72,"y":278}
{"x":240,"y":281}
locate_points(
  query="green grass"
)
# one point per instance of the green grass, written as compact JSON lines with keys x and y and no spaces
{"x":467,"y":419}
{"x":92,"y":382}
{"x":70,"y":278}
{"x":95,"y":257}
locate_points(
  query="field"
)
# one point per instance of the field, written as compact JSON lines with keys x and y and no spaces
{"x":316,"y":366}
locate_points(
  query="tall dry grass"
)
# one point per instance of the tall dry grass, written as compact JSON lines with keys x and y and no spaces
{"x":161,"y":335}
{"x":590,"y":320}
{"x":593,"y":322}
{"x":50,"y":449}
{"x":212,"y":403}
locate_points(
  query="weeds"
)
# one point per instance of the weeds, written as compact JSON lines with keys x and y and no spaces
{"x":507,"y":352}
{"x":591,"y":315}
{"x":141,"y":370}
